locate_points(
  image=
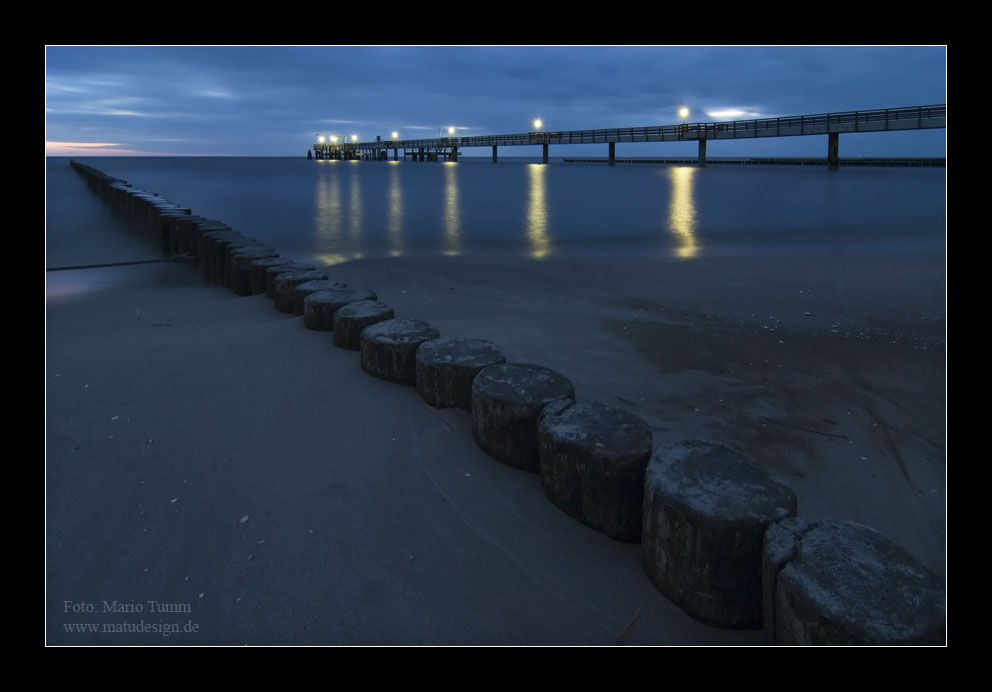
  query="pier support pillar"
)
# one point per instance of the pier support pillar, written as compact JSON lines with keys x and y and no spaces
{"x":613,"y":153}
{"x":702,"y":153}
{"x":396,"y":153}
{"x":494,"y":153}
{"x":454,"y":153}
{"x":833,"y":147}
{"x":545,"y":153}
{"x":420,"y":156}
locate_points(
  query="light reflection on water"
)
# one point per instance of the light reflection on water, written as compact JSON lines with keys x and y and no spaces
{"x":368,"y":208}
{"x":355,"y":212}
{"x":328,"y":213}
{"x":682,"y":211}
{"x":395,"y":229}
{"x":452,"y":216}
{"x":537,"y":212}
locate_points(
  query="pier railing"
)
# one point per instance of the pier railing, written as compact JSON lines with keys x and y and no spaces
{"x":907,"y":118}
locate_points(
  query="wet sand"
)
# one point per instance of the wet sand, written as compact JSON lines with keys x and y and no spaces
{"x":828,"y":371}
{"x":208,"y":452}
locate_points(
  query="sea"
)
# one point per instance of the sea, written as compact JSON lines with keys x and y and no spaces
{"x":335,"y":211}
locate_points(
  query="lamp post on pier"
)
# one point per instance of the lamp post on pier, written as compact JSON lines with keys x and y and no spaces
{"x":538,"y":124}
{"x":454,"y":148}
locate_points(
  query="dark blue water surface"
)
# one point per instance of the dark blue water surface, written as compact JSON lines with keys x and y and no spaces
{"x":338,"y":210}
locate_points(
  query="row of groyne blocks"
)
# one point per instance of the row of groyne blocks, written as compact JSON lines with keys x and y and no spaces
{"x":719,"y":536}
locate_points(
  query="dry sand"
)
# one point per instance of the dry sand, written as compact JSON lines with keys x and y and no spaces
{"x":207,"y":451}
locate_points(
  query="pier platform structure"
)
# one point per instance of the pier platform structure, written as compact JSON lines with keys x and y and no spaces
{"x":830,"y":124}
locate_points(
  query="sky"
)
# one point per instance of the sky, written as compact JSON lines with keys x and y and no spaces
{"x":274,"y":101}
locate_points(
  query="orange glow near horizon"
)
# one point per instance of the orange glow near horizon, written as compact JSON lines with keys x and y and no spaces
{"x":89,"y":148}
{"x":109,"y":149}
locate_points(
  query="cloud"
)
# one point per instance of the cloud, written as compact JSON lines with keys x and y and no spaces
{"x":733,"y":114}
{"x":86,"y":148}
{"x":215,"y":93}
{"x":244,"y":99}
{"x":53,"y":86}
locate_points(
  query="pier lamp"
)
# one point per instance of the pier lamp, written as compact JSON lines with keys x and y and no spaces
{"x":683,"y":113}
{"x":321,"y":139}
{"x":354,"y":138}
{"x":451,"y":130}
{"x":538,"y":124}
{"x":396,"y":135}
{"x":334,"y":139}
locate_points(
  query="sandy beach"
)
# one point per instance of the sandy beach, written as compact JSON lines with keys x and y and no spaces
{"x":207,"y":452}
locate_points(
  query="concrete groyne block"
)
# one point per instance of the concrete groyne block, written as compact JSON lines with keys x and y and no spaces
{"x":160,"y":215}
{"x":304,"y":289}
{"x":285,"y":287}
{"x":388,"y":348}
{"x":319,"y":307}
{"x":706,"y":509}
{"x":200,"y":229}
{"x":256,"y":272}
{"x":271,"y":273}
{"x":447,"y":367}
{"x":240,"y":279}
{"x":507,"y":400}
{"x":215,"y":253}
{"x":207,"y":250}
{"x":593,"y":461}
{"x":831,"y":582}
{"x":178,"y":232}
{"x":175,"y":228}
{"x":227,"y":261}
{"x":351,"y":319}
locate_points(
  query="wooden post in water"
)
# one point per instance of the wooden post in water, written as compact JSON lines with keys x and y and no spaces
{"x":702,"y":153}
{"x":833,"y":147}
{"x":613,"y":153}
{"x":545,"y":159}
{"x":494,"y":153}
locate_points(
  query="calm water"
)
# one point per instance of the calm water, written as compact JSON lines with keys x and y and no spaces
{"x":337,"y":210}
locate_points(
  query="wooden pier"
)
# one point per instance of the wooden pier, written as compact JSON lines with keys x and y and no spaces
{"x":830,"y":124}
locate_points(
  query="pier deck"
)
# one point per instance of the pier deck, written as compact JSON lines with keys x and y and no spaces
{"x":830,"y":124}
